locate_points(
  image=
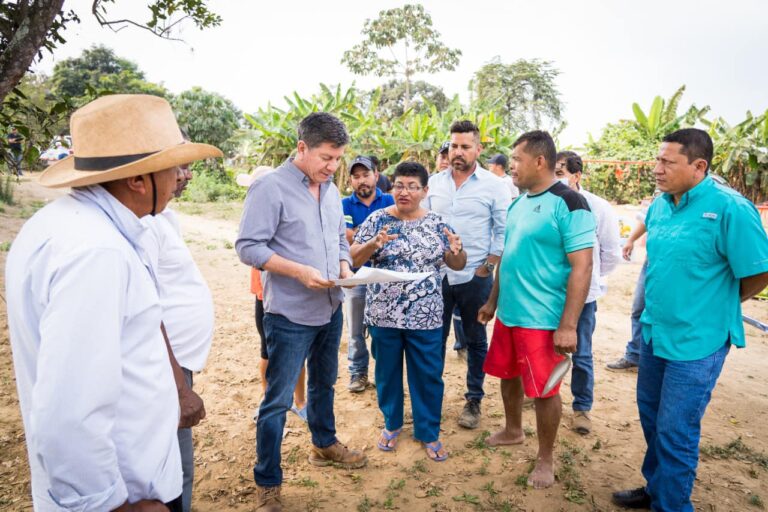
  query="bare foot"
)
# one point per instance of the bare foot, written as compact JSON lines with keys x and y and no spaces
{"x":503,"y":438}
{"x":543,"y":475}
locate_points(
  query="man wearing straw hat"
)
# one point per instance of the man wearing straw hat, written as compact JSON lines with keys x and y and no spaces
{"x":96,"y":390}
{"x":293,"y":228}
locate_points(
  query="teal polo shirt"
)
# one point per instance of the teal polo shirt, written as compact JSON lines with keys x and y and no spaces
{"x":698,"y":251}
{"x":541,"y":230}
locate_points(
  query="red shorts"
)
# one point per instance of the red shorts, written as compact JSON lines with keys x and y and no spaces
{"x":526,"y":353}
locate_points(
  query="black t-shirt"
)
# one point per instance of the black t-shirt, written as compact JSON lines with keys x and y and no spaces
{"x":384,"y":184}
{"x":14,"y":141}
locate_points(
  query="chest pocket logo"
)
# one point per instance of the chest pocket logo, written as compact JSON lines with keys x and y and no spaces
{"x":709,"y":215}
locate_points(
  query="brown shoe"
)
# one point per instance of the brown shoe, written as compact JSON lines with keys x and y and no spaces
{"x":337,"y":454}
{"x":268,"y":499}
{"x":582,"y":424}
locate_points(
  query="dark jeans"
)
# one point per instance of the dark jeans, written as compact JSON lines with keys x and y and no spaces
{"x":458,"y":331}
{"x":468,"y":298}
{"x":288,"y":345}
{"x":632,"y":353}
{"x":259,"y":314}
{"x":583,"y":373}
{"x":671,"y":398}
{"x":175,"y":505}
{"x":187,"y":449}
{"x":425,"y":377}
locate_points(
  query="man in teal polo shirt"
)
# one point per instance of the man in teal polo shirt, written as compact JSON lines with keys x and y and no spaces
{"x":707,"y":252}
{"x":540,"y":290}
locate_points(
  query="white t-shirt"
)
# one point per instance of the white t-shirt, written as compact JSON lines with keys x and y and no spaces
{"x":184,"y":294}
{"x":507,"y":179}
{"x":605,"y":253}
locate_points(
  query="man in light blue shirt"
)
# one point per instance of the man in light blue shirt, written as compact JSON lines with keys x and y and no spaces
{"x":707,"y":253}
{"x":474,"y":202}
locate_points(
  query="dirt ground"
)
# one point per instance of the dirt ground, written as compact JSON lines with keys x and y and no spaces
{"x":475,"y":477}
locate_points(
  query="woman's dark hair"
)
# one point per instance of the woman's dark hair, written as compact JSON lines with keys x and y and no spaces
{"x":412,"y":169}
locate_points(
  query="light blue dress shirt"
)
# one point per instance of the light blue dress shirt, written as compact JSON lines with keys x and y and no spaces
{"x":477,"y":210}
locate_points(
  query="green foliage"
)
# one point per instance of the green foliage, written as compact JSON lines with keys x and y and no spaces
{"x":523,"y":93}
{"x":210,"y":185}
{"x":401,"y":42}
{"x":736,"y":450}
{"x":207,"y":117}
{"x":99,"y":68}
{"x":741,"y":154}
{"x":6,"y":191}
{"x":393,"y":98}
{"x":662,"y":117}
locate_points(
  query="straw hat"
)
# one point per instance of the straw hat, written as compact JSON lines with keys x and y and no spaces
{"x":120,"y":136}
{"x":245,"y":180}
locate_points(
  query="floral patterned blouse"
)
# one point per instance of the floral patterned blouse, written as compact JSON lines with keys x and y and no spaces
{"x":420,"y":247}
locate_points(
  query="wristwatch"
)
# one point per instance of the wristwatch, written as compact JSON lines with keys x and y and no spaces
{"x":489,"y":266}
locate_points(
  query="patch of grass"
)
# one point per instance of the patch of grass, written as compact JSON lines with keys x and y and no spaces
{"x":756,"y":501}
{"x":211,"y":247}
{"x":396,"y":485}
{"x":736,"y":450}
{"x":5,"y":246}
{"x":753,"y":473}
{"x":365,"y":505}
{"x":293,"y":455}
{"x":6,"y":191}
{"x":569,"y":476}
{"x":467,"y":498}
{"x":597,"y":446}
{"x":228,"y":245}
{"x":479,"y":443}
{"x":189,"y":208}
{"x":419,"y":466}
{"x":529,"y":431}
{"x":489,"y":489}
{"x":522,"y":480}
{"x":484,"y":466}
{"x":434,"y":491}
{"x":307,"y":482}
{"x":356,"y":478}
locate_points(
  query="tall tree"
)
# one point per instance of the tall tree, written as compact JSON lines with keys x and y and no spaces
{"x":524,"y":93}
{"x":207,"y":117}
{"x":400,"y":43}
{"x":28,"y":26}
{"x":393,"y":98}
{"x":99,"y":68}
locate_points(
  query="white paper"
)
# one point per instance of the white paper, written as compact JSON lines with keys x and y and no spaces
{"x":367,"y":275}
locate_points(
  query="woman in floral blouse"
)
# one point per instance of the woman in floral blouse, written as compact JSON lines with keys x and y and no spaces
{"x":406,"y":317}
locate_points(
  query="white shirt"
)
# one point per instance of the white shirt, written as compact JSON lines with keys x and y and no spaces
{"x":507,"y":179}
{"x":184,"y":295}
{"x":96,"y":390}
{"x":477,"y":210}
{"x":605,"y":253}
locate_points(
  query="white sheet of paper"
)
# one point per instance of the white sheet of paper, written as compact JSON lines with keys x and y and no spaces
{"x":367,"y":275}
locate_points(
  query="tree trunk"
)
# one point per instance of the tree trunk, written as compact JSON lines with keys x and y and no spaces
{"x":26,"y":42}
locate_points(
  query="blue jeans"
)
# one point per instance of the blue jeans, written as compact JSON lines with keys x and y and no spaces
{"x":288,"y":345}
{"x":357,"y":354}
{"x":671,"y":398}
{"x":422,"y":350}
{"x":469,"y":298}
{"x":632,"y":353}
{"x":187,"y":449}
{"x":458,"y":331}
{"x":583,"y":373}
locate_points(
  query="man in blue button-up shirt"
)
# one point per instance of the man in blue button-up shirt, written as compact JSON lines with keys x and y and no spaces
{"x":474,"y":202}
{"x":707,"y":253}
{"x":293,"y":229}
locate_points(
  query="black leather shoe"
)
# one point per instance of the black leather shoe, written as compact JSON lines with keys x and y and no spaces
{"x":634,"y":498}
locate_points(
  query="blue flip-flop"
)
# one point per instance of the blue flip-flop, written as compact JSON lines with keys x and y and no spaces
{"x":389,"y":436}
{"x":436,"y":446}
{"x":301,"y":413}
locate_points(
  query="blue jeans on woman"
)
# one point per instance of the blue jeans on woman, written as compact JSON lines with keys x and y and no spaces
{"x":423,"y":355}
{"x":288,"y":345}
{"x":671,"y":398}
{"x":583,"y":373}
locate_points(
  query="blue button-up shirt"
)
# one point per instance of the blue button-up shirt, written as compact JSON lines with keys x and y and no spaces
{"x":698,"y":251}
{"x":356,"y":211}
{"x":477,"y":210}
{"x":281,"y":216}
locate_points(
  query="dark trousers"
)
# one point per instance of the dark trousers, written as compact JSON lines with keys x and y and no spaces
{"x":468,"y":298}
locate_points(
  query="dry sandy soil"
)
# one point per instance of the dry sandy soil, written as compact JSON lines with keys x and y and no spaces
{"x":475,"y":477}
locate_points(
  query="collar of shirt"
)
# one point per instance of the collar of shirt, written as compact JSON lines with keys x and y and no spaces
{"x":690,"y":196}
{"x":126,"y":222}
{"x":294,"y":171}
{"x":357,"y":200}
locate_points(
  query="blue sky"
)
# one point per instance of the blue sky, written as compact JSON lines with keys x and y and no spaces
{"x":610,"y":53}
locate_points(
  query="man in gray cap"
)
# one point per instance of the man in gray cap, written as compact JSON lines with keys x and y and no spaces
{"x":498,"y":164}
{"x":442,"y":162}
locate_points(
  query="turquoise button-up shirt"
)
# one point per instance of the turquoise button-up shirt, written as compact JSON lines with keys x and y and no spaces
{"x":698,"y":251}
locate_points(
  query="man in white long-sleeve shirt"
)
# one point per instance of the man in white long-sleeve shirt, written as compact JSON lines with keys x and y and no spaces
{"x":605,"y":257}
{"x":96,"y":390}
